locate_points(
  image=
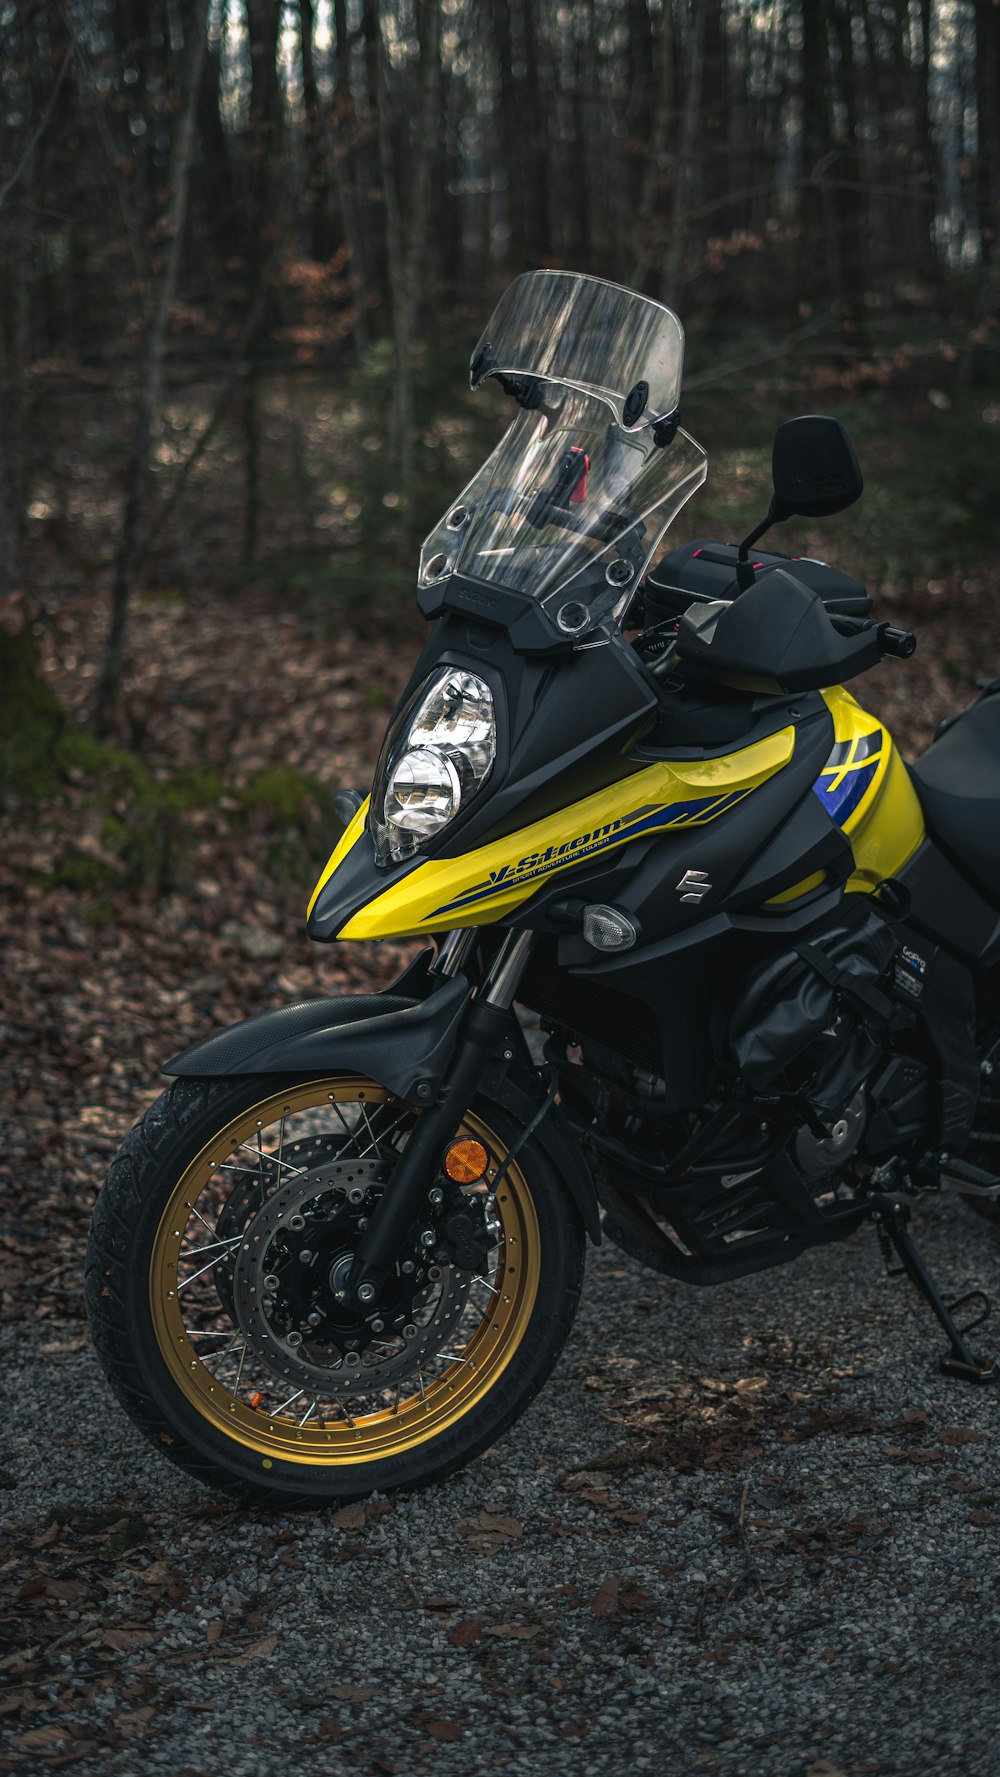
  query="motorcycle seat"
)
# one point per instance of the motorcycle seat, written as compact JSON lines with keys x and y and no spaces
{"x":958,"y":783}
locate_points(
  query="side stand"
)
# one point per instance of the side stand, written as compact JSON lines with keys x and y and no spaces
{"x":890,"y":1220}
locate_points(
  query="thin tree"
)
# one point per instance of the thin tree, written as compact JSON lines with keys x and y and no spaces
{"x":405,"y":245}
{"x":151,"y":374}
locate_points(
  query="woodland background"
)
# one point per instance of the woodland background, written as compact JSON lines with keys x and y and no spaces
{"x":246,"y":248}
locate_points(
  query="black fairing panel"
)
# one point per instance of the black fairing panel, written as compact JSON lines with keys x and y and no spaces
{"x":398,"y":1040}
{"x":355,"y":882}
{"x":644,"y":879}
{"x":660,"y":1003}
{"x":958,"y":782}
{"x":949,"y":908}
{"x":777,"y":636}
{"x":563,"y":726}
{"x":556,"y":743}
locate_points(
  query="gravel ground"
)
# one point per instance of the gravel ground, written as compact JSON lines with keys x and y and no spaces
{"x":747,"y":1531}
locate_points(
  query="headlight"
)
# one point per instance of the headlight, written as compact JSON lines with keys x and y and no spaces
{"x":437,"y":753}
{"x":423,"y":791}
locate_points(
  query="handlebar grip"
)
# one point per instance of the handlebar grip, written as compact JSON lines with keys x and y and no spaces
{"x":900,"y":643}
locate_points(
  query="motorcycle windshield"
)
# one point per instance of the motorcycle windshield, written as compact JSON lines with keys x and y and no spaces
{"x":589,"y":335}
{"x":568,"y":509}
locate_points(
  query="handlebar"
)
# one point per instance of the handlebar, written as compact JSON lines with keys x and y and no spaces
{"x":900,"y":643}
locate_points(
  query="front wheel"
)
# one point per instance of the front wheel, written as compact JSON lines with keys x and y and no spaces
{"x":220,"y":1241}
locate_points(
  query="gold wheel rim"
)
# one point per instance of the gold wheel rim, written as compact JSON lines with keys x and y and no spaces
{"x":437,"y":1402}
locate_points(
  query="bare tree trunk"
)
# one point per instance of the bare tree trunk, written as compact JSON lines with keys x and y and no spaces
{"x":151,"y":380}
{"x":405,"y":250}
{"x":662,"y":113}
{"x":264,"y":21}
{"x":11,"y":568}
{"x":318,"y":194}
{"x":673,"y":266}
{"x":345,"y":162}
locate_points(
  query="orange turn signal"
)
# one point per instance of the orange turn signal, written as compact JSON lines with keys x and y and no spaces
{"x":466,"y":1161}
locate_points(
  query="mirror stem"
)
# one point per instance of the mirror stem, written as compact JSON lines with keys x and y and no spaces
{"x":744,"y":569}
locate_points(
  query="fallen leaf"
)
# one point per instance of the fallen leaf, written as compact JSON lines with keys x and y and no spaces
{"x":606,"y":1598}
{"x":37,"y":1739}
{"x":514,"y":1631}
{"x":585,"y":1479}
{"x":134,"y":1721}
{"x":912,"y":1421}
{"x":497,"y":1526}
{"x":350,"y":1517}
{"x":444,"y":1730}
{"x":266,"y":1646}
{"x":467,"y":1632}
{"x":961,"y":1434}
{"x":353,"y":1693}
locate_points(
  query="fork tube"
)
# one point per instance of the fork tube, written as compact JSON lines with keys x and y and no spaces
{"x":485,"y":1031}
{"x":508,"y":966}
{"x":454,"y":949}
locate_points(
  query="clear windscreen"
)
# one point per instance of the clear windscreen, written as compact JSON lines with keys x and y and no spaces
{"x":568,"y":508}
{"x":589,"y":335}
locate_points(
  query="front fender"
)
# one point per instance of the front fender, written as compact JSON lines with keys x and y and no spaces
{"x":403,"y":1043}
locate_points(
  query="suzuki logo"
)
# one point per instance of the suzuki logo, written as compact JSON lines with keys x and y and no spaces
{"x":694,"y":886}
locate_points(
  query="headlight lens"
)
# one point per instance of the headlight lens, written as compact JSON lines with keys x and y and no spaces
{"x":437,"y":754}
{"x":423,"y":791}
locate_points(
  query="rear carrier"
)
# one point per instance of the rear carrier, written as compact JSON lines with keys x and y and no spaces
{"x":706,"y":569}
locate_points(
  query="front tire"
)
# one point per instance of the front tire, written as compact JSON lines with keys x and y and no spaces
{"x":222,"y":1221}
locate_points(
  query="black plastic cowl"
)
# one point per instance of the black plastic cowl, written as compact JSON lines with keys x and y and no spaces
{"x":778,"y":636}
{"x":403,"y":1043}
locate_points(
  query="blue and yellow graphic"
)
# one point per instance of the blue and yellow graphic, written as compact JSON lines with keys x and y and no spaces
{"x":849,"y":772}
{"x":866,"y":790}
{"x":637,"y":825}
{"x":493,"y":880}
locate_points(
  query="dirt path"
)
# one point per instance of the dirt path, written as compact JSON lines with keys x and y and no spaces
{"x":748,"y":1530}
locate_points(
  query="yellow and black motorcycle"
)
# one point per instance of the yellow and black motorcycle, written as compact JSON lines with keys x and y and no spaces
{"x":343,"y":1250}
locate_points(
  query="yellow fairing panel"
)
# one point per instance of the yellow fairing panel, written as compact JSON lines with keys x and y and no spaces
{"x":866,"y":790}
{"x":485,"y":884}
{"x":352,"y":832}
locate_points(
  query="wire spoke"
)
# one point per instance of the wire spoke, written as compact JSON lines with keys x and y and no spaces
{"x":352,"y":1134}
{"x":291,"y":1398}
{"x":281,"y":1148}
{"x":369,"y":1128}
{"x":188,"y":1252}
{"x":196,"y":1211}
{"x":271,"y":1160}
{"x":209,"y":1267}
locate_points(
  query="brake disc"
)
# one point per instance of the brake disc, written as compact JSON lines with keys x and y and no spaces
{"x":292,"y":1267}
{"x":246,"y":1199}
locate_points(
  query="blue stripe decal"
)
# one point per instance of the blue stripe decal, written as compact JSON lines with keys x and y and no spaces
{"x":638,"y":825}
{"x":840,"y":802}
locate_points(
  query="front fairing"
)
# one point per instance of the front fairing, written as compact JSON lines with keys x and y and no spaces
{"x":563,"y":730}
{"x":574,"y":802}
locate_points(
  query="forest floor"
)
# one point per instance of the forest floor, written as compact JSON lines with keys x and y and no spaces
{"x":750,"y":1526}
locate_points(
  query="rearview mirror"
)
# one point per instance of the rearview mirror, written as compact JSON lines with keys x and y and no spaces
{"x":814,"y":467}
